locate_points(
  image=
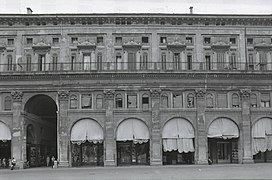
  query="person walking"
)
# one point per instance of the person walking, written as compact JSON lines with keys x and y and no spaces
{"x":47,"y":161}
{"x":13,"y":163}
{"x":52,"y":161}
{"x":4,"y":163}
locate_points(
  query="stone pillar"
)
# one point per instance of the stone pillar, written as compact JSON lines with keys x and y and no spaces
{"x":18,"y":142}
{"x":201,"y":147}
{"x":245,"y":138}
{"x":62,"y":129}
{"x":155,"y":136}
{"x":109,"y":140}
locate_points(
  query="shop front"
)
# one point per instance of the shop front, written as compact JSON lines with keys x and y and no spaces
{"x":87,"y":143}
{"x":178,"y":142}
{"x":5,"y":145}
{"x":262,"y":140}
{"x":223,"y":137}
{"x":132,"y":143}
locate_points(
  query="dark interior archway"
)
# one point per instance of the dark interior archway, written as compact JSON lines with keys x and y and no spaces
{"x":40,"y":114}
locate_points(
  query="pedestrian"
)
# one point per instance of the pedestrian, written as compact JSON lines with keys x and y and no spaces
{"x":13,"y":163}
{"x":52,"y":161}
{"x":210,"y":161}
{"x":4,"y":162}
{"x":47,"y":161}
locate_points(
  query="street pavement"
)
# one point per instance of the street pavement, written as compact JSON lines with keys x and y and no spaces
{"x":227,"y":171}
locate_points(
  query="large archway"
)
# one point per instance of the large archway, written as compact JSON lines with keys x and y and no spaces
{"x":41,"y":132}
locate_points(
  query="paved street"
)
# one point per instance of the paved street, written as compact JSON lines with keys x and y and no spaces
{"x":230,"y":171}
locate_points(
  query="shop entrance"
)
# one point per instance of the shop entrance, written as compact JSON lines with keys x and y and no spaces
{"x":5,"y":145}
{"x":263,"y":157}
{"x":41,"y":133}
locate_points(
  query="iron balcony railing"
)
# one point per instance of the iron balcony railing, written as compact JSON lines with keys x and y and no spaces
{"x":133,"y":67}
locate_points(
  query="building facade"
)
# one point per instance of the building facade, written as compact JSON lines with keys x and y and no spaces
{"x":135,"y":89}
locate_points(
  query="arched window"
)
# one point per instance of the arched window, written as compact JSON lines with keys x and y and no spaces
{"x":164,"y":101}
{"x":235,"y":100}
{"x":144,"y":59}
{"x":145,"y":101}
{"x":253,"y":100}
{"x":9,"y":63}
{"x":233,"y":62}
{"x":119,"y":101}
{"x":99,"y":61}
{"x":163,"y":61}
{"x":28,"y":62}
{"x":99,"y":101}
{"x":209,"y":101}
{"x":190,"y":100}
{"x":7,"y":103}
{"x":73,"y":102}
{"x":54,"y":62}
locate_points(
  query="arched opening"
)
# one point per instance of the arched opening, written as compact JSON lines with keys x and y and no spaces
{"x":178,"y":142}
{"x":41,"y":132}
{"x":262,"y":140}
{"x":223,"y":137}
{"x":132,"y":138}
{"x":87,"y":143}
{"x":5,"y":145}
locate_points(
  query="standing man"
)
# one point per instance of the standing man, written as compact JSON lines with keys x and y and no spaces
{"x":13,"y":163}
{"x":52,"y":161}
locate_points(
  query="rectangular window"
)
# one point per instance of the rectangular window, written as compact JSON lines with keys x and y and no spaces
{"x":132,"y":101}
{"x":251,"y":62}
{"x":144,"y":39}
{"x":86,"y":101}
{"x":232,"y":40}
{"x":74,"y":39}
{"x":118,"y":40}
{"x":55,"y":40}
{"x":163,"y":61}
{"x":263,"y":60}
{"x":143,"y":62}
{"x":99,"y":40}
{"x":221,"y":58}
{"x":222,"y":100}
{"x":249,"y":41}
{"x":86,"y":61}
{"x":189,"y":62}
{"x":118,"y":62}
{"x":145,"y":102}
{"x":207,"y":40}
{"x":265,"y":100}
{"x":73,"y":61}
{"x":29,"y":41}
{"x":177,"y":100}
{"x":177,"y":61}
{"x":189,"y":40}
{"x":10,"y":42}
{"x":132,"y":61}
{"x":163,"y":40}
{"x":208,"y":62}
{"x":41,"y":62}
{"x":119,"y":102}
{"x":99,"y":63}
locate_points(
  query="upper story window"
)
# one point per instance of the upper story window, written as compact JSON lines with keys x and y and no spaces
{"x":235,"y":100}
{"x":222,"y":100}
{"x":10,"y":42}
{"x":208,"y":62}
{"x":28,"y":62}
{"x":86,"y":101}
{"x":253,"y":100}
{"x":209,"y":101}
{"x":163,"y":61}
{"x":265,"y":100}
{"x":118,"y":40}
{"x":99,"y":40}
{"x":251,"y":62}
{"x":73,"y":61}
{"x":7,"y":103}
{"x":73,"y":102}
{"x":145,"y":101}
{"x":190,"y":100}
{"x":55,"y":41}
{"x":54,"y":62}
{"x":132,"y":101}
{"x":99,"y":61}
{"x":29,"y":41}
{"x":207,"y":40}
{"x":119,"y":65}
{"x":221,"y":60}
{"x":119,"y":101}
{"x":232,"y":40}
{"x":144,"y":39}
{"x":74,"y":39}
{"x":189,"y":40}
{"x":233,"y":61}
{"x":144,"y":61}
{"x":163,"y":40}
{"x":99,"y":101}
{"x":9,"y":62}
{"x":249,"y":41}
{"x":177,"y":100}
{"x":164,"y":101}
{"x":189,"y":61}
{"x":263,"y":60}
{"x":177,"y":63}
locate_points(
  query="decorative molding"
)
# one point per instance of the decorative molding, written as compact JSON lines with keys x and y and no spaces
{"x":155,"y":92}
{"x":245,"y":93}
{"x":200,"y":93}
{"x":17,"y":95}
{"x":42,"y":46}
{"x":86,"y":45}
{"x":132,"y":44}
{"x":109,"y":94}
{"x":176,"y":46}
{"x":63,"y":95}
{"x":220,"y":45}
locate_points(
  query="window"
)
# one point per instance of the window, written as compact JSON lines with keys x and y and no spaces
{"x":143,"y":62}
{"x":208,"y":62}
{"x":207,"y":40}
{"x":164,"y":101}
{"x":99,"y":40}
{"x":189,"y":40}
{"x":176,"y":61}
{"x":74,"y":39}
{"x":86,"y":61}
{"x":41,"y":62}
{"x":99,"y":101}
{"x":221,"y":59}
{"x":73,"y":61}
{"x":144,"y":39}
{"x":232,"y":40}
{"x":55,"y":62}
{"x":265,"y":100}
{"x":253,"y":100}
{"x":233,"y":62}
{"x":73,"y":102}
{"x":7,"y":103}
{"x":28,"y":63}
{"x":55,"y":40}
{"x":99,"y":62}
{"x":177,"y":100}
{"x":29,"y":41}
{"x":10,"y":42}
{"x":163,"y":61}
{"x":249,"y":41}
{"x":118,"y":40}
{"x":263,"y":60}
{"x":222,"y":101}
{"x":163,"y":40}
{"x":189,"y":62}
{"x":132,"y":61}
{"x":250,"y":62}
{"x":145,"y":101}
{"x":209,"y":101}
{"x":119,"y":101}
{"x":118,"y":61}
{"x":132,"y":101}
{"x":86,"y":101}
{"x":9,"y":63}
{"x":190,"y":101}
{"x":235,"y":100}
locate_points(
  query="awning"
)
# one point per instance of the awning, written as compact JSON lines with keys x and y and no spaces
{"x":132,"y":129}
{"x":178,"y":135}
{"x":223,"y":128}
{"x":5,"y":133}
{"x":86,"y":130}
{"x":262,"y":135}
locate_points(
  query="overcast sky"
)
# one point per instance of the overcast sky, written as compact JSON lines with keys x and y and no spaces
{"x":138,"y":6}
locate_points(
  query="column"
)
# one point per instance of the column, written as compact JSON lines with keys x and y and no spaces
{"x":62,"y":129}
{"x":201,"y":147}
{"x":18,"y":142}
{"x":109,"y":143}
{"x":245,"y":135}
{"x":155,"y":136}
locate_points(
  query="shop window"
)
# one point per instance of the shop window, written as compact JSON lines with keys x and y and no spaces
{"x":10,"y":42}
{"x":189,"y":62}
{"x":119,"y":101}
{"x":29,"y":41}
{"x":73,"y":61}
{"x":55,"y":41}
{"x":99,"y":61}
{"x":99,"y":40}
{"x":207,"y":40}
{"x":265,"y":100}
{"x":99,"y":101}
{"x":249,"y":41}
{"x":73,"y":102}
{"x":132,"y":101}
{"x":9,"y":63}
{"x":209,"y":101}
{"x":163,"y":40}
{"x":233,"y":61}
{"x":208,"y":62}
{"x":163,"y":61}
{"x":189,"y":40}
{"x":253,"y":100}
{"x":143,"y":62}
{"x":190,"y":101}
{"x":54,"y":62}
{"x":28,"y":62}
{"x":232,"y":40}
{"x":74,"y":39}
{"x":145,"y":101}
{"x":118,"y":40}
{"x":164,"y":101}
{"x":177,"y":100}
{"x":86,"y":101}
{"x":144,"y":39}
{"x":7,"y":103}
{"x":235,"y":100}
{"x":222,"y":101}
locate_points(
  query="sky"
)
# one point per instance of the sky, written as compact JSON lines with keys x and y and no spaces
{"x":137,"y":6}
